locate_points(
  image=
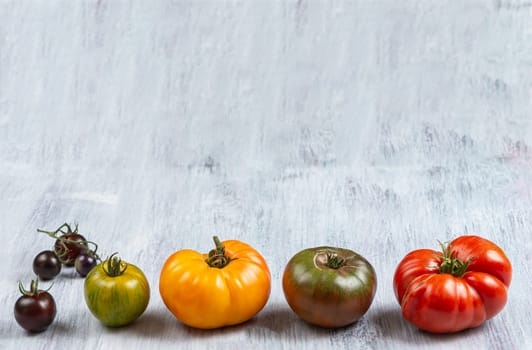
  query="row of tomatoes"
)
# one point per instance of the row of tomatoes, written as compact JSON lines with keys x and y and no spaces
{"x":444,"y":291}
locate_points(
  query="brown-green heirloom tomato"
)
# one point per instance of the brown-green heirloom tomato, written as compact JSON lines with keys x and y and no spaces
{"x":329,"y":287}
{"x":116,"y":292}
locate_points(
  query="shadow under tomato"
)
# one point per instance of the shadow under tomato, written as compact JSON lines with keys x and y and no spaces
{"x":391,"y":324}
{"x":154,"y":323}
{"x":272,"y":321}
{"x":280,"y":322}
{"x":160,"y":322}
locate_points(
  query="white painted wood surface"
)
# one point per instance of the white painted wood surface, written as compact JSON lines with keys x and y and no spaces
{"x":379,"y":126}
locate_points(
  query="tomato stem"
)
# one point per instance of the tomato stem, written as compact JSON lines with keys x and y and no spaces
{"x":217,"y":257}
{"x":451,"y":264}
{"x":64,"y":241}
{"x":334,"y":261}
{"x":34,"y":288}
{"x":114,"y":266}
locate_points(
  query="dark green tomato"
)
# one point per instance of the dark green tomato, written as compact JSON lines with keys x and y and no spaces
{"x":329,"y":287}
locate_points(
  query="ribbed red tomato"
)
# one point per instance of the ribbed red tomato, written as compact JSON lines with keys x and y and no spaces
{"x":459,"y":288}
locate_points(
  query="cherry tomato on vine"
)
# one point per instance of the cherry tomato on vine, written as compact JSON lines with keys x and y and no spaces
{"x":69,"y":244}
{"x":226,"y":287}
{"x":116,"y":292}
{"x":84,"y":263}
{"x":35,"y":310}
{"x":68,"y":247}
{"x":46,"y":265}
{"x":329,"y":287}
{"x":458,"y":288}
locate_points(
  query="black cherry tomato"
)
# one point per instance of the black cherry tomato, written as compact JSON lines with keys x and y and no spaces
{"x":68,"y":243}
{"x":84,"y":263}
{"x":46,"y":265}
{"x":35,"y":310}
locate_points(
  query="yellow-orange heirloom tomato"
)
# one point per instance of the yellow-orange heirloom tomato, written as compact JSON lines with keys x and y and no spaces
{"x":226,"y":287}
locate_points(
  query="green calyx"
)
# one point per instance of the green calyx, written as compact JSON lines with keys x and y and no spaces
{"x":451,"y":264}
{"x":114,"y":266}
{"x":217,"y":257}
{"x":34,"y":288}
{"x":334,"y":261}
{"x":61,"y":234}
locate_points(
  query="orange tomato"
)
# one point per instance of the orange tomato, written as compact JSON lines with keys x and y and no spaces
{"x":228,"y":286}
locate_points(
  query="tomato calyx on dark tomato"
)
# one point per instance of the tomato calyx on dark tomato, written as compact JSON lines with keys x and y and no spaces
{"x":35,"y":309}
{"x":329,"y":259}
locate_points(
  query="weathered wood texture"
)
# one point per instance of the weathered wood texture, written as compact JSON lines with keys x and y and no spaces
{"x":381,"y":126}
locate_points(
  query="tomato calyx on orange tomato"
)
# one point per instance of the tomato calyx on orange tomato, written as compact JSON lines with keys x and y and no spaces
{"x":217,"y":257}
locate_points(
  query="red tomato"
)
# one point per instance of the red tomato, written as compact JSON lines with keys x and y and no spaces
{"x":454,"y":290}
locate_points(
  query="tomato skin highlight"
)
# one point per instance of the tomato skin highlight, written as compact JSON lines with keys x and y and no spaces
{"x":327,"y":296}
{"x":207,"y":297}
{"x":440,"y":302}
{"x":116,"y":300}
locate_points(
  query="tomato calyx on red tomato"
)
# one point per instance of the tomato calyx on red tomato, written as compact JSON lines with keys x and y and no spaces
{"x":450,"y":263}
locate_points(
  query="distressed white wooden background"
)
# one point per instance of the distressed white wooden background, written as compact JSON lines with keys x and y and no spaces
{"x":379,"y":126}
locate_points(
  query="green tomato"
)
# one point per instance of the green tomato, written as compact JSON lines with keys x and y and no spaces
{"x":116,"y":293}
{"x":329,"y":287}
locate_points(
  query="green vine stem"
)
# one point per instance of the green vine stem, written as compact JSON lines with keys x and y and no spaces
{"x":451,"y":264}
{"x":217,"y":257}
{"x":59,"y":235}
{"x":34,"y":288}
{"x":113,"y":266}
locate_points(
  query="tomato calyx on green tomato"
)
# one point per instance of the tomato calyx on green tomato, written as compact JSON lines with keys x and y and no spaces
{"x":328,"y":286}
{"x":116,"y":292}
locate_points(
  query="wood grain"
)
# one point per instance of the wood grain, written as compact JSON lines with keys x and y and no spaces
{"x":380,"y":126}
